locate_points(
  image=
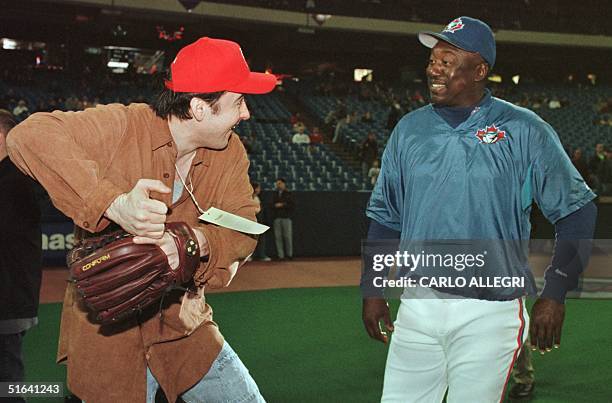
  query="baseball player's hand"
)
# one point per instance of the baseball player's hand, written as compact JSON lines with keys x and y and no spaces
{"x":375,"y":310}
{"x":166,"y":244}
{"x":546,"y":324}
{"x":137,"y":213}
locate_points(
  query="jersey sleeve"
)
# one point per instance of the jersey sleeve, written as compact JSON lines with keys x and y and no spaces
{"x":556,"y":185}
{"x":387,"y":199}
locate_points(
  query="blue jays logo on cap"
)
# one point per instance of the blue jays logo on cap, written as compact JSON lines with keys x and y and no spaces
{"x":454,"y":25}
{"x":490,"y":134}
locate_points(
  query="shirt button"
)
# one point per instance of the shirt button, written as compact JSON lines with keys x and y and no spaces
{"x":169,"y":144}
{"x":148,"y":356}
{"x":85,"y":224}
{"x":166,"y":175}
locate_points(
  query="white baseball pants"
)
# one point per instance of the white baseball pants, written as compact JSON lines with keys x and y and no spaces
{"x":466,"y":346}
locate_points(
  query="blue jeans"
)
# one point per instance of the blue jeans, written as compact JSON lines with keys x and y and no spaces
{"x":228,"y":380}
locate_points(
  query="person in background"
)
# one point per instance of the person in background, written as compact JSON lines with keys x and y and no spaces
{"x":374,"y":171}
{"x":595,"y":164}
{"x":316,"y":139}
{"x":21,"y":111}
{"x":282,"y":211}
{"x":580,"y":165}
{"x":260,"y":250}
{"x":300,"y":137}
{"x":368,"y":153}
{"x":20,"y":261}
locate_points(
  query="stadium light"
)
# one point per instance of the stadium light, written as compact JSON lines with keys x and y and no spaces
{"x":320,"y":18}
{"x":189,"y":5}
{"x":9,"y":44}
{"x":114,"y":64}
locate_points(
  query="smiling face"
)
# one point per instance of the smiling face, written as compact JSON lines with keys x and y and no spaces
{"x":217,"y":122}
{"x":455,"y":77}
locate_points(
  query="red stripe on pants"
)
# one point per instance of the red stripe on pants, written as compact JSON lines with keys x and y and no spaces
{"x":519,"y":340}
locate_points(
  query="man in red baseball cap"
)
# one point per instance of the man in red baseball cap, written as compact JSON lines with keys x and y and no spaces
{"x":138,"y":167}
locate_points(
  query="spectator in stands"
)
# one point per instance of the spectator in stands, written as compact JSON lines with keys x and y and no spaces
{"x":72,"y":103}
{"x":606,"y":174}
{"x":85,"y":103}
{"x":260,"y":250}
{"x":42,"y":105}
{"x":20,"y":261}
{"x":395,"y":112}
{"x":554,"y":103}
{"x":580,"y":165}
{"x":537,"y":103}
{"x":525,"y":101}
{"x":254,"y":143}
{"x":596,"y":164}
{"x":330,"y":118}
{"x":316,"y":139}
{"x":368,"y":152}
{"x":367,"y":118}
{"x":282,"y":212}
{"x":295,"y":117}
{"x":374,"y":172}
{"x":418,"y":98}
{"x":7,"y":97}
{"x":299,"y":125}
{"x":603,"y":120}
{"x":334,"y":115}
{"x":340,"y":126}
{"x":300,"y":137}
{"x":21,"y":111}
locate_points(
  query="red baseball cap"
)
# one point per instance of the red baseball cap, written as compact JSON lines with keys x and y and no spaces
{"x":211,"y":65}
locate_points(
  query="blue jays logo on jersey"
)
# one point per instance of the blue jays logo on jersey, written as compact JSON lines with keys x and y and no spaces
{"x":490,"y":135}
{"x":454,"y":25}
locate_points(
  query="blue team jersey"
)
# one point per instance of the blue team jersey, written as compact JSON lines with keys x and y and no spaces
{"x":476,"y":181}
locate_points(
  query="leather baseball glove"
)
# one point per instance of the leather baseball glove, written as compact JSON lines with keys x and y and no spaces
{"x":117,"y":278}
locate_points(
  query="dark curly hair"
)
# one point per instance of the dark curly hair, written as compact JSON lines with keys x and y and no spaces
{"x":169,"y":103}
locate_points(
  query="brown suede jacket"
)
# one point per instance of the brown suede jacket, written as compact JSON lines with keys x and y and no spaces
{"x":85,"y":160}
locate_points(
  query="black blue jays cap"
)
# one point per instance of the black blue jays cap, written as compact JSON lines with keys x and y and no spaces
{"x":465,"y":33}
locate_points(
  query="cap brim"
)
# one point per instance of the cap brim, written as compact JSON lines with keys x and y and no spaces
{"x":429,"y":39}
{"x":256,"y":83}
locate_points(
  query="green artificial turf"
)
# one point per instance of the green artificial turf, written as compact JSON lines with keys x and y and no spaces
{"x":309,"y":345}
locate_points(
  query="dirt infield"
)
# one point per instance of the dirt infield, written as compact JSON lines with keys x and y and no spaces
{"x":298,"y":273}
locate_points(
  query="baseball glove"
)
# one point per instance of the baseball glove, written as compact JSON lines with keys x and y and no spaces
{"x":117,"y":278}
